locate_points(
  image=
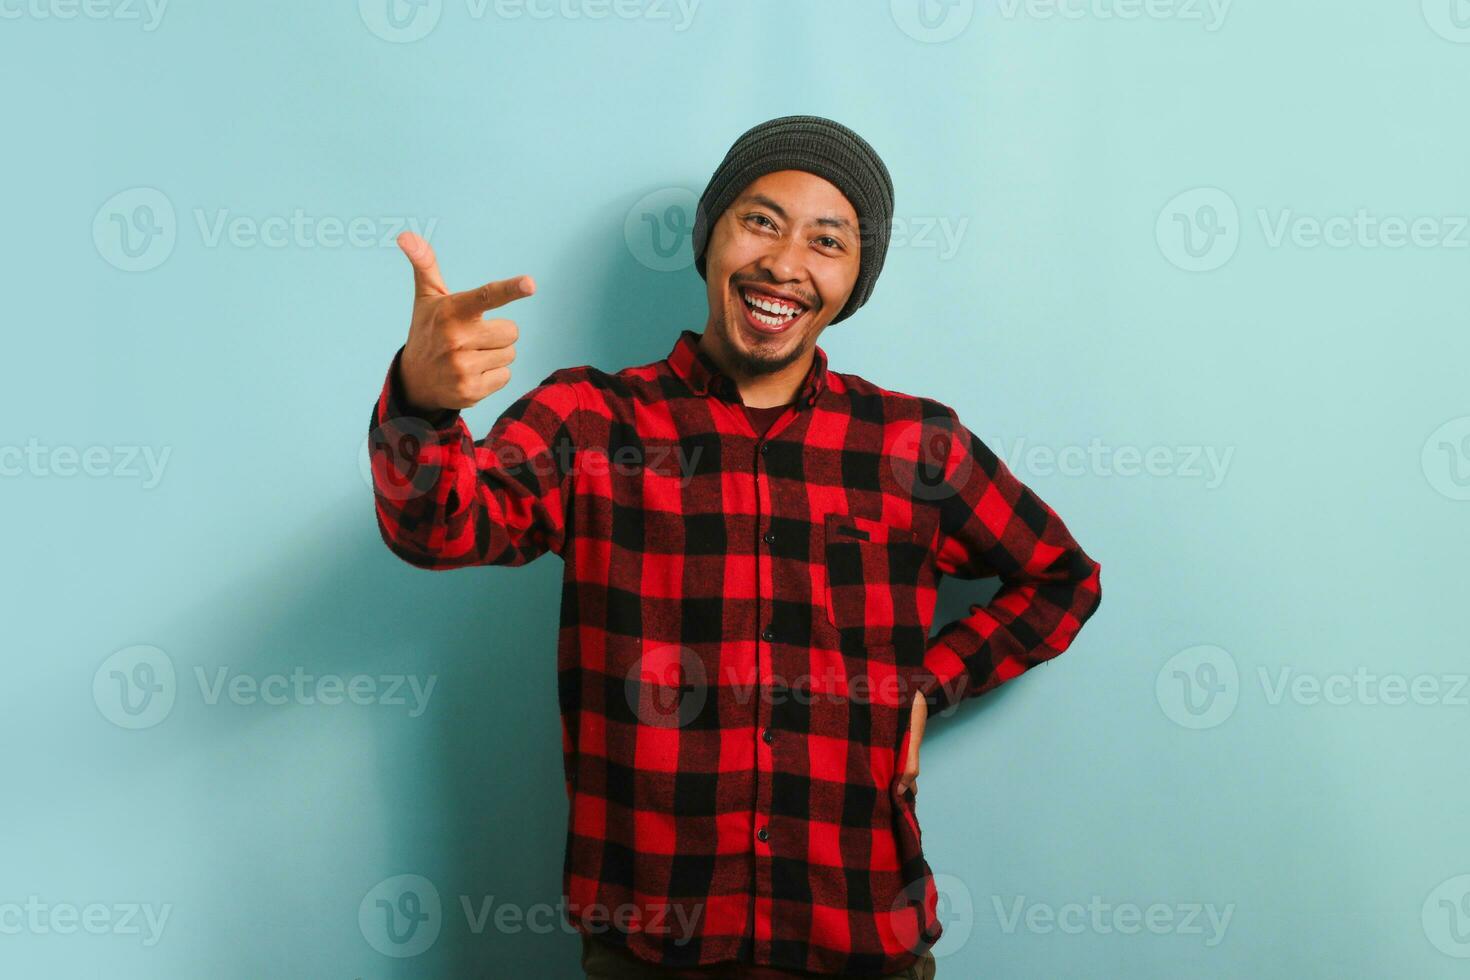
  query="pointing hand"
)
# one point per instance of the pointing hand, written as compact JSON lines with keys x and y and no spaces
{"x":454,"y":357}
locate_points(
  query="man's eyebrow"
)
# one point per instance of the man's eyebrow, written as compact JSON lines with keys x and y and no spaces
{"x":827,"y":221}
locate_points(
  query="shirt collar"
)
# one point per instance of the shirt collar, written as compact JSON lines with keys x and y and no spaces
{"x":703,"y":376}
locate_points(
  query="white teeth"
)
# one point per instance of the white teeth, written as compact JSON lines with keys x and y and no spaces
{"x":772,"y":321}
{"x":781,"y":310}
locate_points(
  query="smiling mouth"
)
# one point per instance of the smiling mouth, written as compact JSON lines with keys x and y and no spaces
{"x":769,"y":311}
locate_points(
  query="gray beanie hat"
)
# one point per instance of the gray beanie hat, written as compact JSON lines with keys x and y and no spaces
{"x":822,"y":147}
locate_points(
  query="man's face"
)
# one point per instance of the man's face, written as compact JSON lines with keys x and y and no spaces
{"x":789,"y":241}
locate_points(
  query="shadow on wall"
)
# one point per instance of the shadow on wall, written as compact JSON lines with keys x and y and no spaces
{"x":955,"y":597}
{"x":468,"y":793}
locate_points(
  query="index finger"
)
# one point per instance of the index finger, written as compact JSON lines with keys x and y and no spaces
{"x":492,"y":295}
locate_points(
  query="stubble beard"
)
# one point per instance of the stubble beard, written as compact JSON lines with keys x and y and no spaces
{"x":754,"y":363}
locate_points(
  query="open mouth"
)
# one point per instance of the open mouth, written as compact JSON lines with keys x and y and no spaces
{"x":769,"y":313}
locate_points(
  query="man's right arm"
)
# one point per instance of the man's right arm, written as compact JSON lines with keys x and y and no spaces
{"x":443,"y":500}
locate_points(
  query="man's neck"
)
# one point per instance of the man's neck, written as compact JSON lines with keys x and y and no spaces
{"x":759,"y":390}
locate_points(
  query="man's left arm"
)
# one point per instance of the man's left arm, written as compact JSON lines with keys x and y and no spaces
{"x":992,"y":524}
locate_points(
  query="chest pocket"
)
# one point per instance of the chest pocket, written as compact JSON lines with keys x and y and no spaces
{"x":879,"y":584}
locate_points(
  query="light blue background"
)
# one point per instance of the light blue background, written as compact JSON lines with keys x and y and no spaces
{"x":1065,"y":310}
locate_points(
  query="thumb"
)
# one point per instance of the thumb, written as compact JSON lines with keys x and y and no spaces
{"x":426,"y":278}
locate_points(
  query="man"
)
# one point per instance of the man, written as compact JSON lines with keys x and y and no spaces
{"x":752,"y":545}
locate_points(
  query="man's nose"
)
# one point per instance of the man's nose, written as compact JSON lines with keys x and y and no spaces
{"x":783,"y":260}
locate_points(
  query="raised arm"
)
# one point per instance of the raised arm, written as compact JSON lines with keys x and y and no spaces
{"x":443,"y":500}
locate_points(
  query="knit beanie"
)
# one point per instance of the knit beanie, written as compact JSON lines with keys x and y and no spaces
{"x":822,"y":147}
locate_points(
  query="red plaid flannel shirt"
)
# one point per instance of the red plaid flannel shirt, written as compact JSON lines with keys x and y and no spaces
{"x":744,"y":624}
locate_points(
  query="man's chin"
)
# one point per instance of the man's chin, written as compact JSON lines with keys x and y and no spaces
{"x":764,"y":354}
{"x":769,"y":357}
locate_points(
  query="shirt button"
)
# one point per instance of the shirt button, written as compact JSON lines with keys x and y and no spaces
{"x":765,"y":448}
{"x":770,"y":537}
{"x":763,"y":834}
{"x":768,"y":635}
{"x":769,"y":736}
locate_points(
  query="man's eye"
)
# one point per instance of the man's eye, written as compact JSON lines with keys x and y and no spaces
{"x":829,"y":242}
{"x":761,"y":217}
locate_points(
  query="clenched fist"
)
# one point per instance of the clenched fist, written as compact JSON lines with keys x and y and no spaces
{"x":454,"y":357}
